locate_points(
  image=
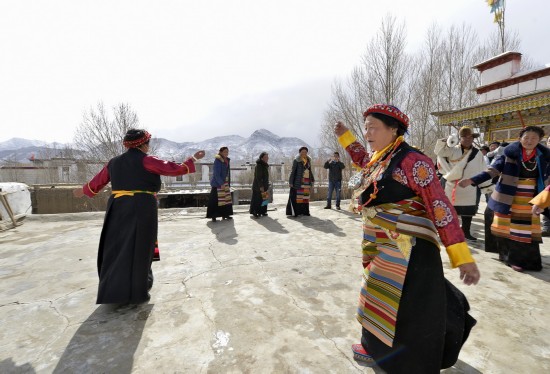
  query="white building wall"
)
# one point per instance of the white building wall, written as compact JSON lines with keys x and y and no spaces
{"x":482,"y":97}
{"x":27,"y":176}
{"x":543,"y":83}
{"x":499,"y":72}
{"x":525,"y":87}
{"x":509,"y":91}
{"x":494,"y":94}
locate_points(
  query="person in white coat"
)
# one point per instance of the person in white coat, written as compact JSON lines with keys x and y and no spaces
{"x":458,"y":159}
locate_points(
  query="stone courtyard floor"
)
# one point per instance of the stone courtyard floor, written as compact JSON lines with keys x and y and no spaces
{"x":272,"y":295}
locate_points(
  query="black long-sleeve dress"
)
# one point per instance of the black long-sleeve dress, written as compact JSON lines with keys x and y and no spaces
{"x":260,"y":184}
{"x":127,"y":243}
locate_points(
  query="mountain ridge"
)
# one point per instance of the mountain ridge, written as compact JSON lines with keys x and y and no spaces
{"x":240,"y":148}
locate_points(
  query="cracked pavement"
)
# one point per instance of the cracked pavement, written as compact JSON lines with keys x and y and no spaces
{"x":267,"y":295}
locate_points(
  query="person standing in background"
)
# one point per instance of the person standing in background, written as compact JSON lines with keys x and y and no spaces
{"x":522,"y":171}
{"x":490,"y":156}
{"x":335,"y":167}
{"x":459,"y":159}
{"x":220,"y":203}
{"x":484,"y":150}
{"x":260,"y":186}
{"x":544,"y":220}
{"x":300,"y":182}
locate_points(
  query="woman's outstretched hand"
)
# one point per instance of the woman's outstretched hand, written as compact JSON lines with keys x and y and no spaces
{"x":77,"y":192}
{"x":340,"y":128}
{"x":536,"y":210}
{"x":469,"y":273}
{"x":465,"y":183}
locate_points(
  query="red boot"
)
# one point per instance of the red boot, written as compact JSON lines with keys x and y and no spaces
{"x":361,"y":356}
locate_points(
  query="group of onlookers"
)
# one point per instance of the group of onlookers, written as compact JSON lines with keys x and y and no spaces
{"x":510,"y":176}
{"x":301,"y":181}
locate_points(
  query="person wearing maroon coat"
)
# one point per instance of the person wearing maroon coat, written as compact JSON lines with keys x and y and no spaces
{"x":129,"y":234}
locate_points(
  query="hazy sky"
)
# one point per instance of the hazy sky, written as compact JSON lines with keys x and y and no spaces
{"x":197,"y":69}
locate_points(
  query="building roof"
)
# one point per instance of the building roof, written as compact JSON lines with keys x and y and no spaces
{"x":497,"y":60}
{"x":526,"y":101}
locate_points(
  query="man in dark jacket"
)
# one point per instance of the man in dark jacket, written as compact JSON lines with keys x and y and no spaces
{"x":335,"y":167}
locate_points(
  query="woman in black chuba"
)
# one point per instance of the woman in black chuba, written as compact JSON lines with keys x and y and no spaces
{"x":258,"y":206}
{"x":129,"y":233}
{"x":301,"y":180}
{"x":220,"y":204}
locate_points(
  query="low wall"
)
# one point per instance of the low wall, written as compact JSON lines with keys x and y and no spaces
{"x":52,"y":199}
{"x":59,"y":199}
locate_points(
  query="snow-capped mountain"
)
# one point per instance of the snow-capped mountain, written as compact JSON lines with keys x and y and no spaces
{"x":240,"y":148}
{"x":18,"y":143}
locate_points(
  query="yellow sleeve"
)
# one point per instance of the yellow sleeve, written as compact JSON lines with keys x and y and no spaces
{"x":459,"y":254}
{"x":346,"y":139}
{"x":542,"y":200}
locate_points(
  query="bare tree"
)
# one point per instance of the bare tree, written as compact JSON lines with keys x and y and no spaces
{"x":438,"y":77}
{"x":99,"y":136}
{"x":385,"y":62}
{"x":379,"y":78}
{"x":424,"y":86}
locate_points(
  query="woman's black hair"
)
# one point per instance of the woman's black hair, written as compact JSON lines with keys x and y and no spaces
{"x":133,"y":134}
{"x":222,"y":149}
{"x":262,"y":155}
{"x":301,"y":148}
{"x":538,"y":130}
{"x":391,"y":123}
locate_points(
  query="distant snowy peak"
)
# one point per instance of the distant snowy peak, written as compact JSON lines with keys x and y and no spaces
{"x":18,"y":143}
{"x":264,"y":134}
{"x":240,"y":148}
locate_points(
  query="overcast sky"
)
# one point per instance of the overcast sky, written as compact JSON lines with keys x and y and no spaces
{"x":195,"y":69}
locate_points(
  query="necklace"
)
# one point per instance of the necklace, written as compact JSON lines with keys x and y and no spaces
{"x":534,"y":166}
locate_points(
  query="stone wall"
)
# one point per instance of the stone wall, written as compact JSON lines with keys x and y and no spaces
{"x":59,"y":199}
{"x":52,"y":199}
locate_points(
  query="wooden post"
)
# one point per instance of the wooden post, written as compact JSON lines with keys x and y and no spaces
{"x":8,"y":208}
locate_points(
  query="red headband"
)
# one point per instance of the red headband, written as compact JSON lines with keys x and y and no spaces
{"x":137,"y":142}
{"x":390,"y":111}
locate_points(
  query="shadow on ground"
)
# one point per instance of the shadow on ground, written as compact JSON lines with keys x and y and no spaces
{"x":107,"y":340}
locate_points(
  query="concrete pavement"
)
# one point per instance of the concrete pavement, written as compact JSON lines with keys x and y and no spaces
{"x":272,"y":295}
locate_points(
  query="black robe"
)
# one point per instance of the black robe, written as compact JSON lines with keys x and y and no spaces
{"x":129,"y":233}
{"x":261,"y":179}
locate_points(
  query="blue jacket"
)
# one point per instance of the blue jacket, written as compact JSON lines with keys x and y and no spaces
{"x":507,"y":168}
{"x":221,"y":171}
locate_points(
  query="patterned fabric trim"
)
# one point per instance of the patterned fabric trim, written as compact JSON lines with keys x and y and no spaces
{"x":520,"y":225}
{"x":381,"y":292}
{"x":224,"y":195}
{"x":406,"y":217}
{"x":303,"y":194}
{"x":389,"y":233}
